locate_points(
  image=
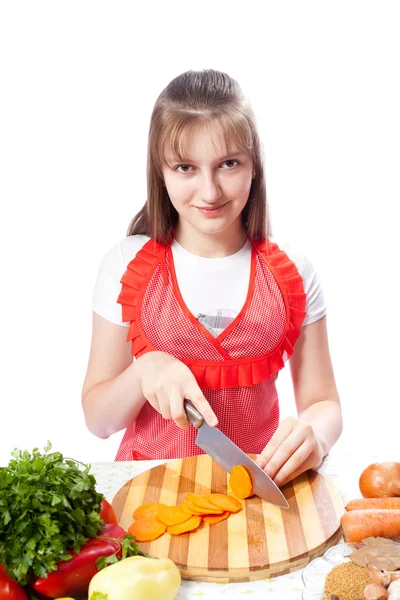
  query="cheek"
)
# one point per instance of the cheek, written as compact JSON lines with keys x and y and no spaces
{"x":179,"y":192}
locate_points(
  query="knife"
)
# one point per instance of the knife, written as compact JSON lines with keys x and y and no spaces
{"x":227,"y":454}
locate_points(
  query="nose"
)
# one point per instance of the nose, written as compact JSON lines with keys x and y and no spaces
{"x":210,"y":190}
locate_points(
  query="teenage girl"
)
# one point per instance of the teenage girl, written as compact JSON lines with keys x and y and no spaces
{"x":207,"y":305}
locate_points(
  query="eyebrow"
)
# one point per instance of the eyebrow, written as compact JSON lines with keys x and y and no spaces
{"x":189,"y":161}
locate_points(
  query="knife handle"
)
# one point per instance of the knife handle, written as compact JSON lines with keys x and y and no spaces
{"x":193,"y":415}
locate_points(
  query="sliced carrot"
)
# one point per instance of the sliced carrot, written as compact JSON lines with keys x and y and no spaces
{"x":367,"y":503}
{"x":226,"y":502}
{"x":185,"y":506}
{"x":173,"y":515}
{"x":212,"y":519}
{"x":189,"y":525}
{"x":147,"y":529}
{"x":190,"y":496}
{"x":198,"y":510}
{"x":240,"y":482}
{"x":360,"y":524}
{"x":205,"y":505}
{"x":149,"y":509}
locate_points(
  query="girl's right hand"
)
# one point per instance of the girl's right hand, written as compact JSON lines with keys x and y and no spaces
{"x":166,"y":382}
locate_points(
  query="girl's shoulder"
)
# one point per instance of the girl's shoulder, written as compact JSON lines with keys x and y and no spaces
{"x":129,"y":246}
{"x":316,"y":303}
{"x":303,"y":264}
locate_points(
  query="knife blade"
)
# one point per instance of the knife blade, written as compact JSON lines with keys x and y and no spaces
{"x":217,"y":445}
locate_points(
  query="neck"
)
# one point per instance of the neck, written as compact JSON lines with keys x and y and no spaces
{"x":215,"y":245}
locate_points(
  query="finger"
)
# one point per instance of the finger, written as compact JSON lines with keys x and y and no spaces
{"x":313,"y":460}
{"x":164,"y":404}
{"x":295,"y":465}
{"x":284,"y":451}
{"x":152,"y":400}
{"x":282,"y":432}
{"x":177,"y":409}
{"x":199,"y":400}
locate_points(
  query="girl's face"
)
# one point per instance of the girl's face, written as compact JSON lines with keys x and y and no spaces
{"x":209,"y":188}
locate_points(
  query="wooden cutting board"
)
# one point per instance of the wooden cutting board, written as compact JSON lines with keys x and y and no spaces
{"x":261,"y":541}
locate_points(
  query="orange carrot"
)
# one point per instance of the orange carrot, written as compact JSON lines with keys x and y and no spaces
{"x":189,"y":509}
{"x":212,"y":519}
{"x":189,"y":525}
{"x":226,"y":502}
{"x":148,"y":510}
{"x":368,"y":503}
{"x":360,"y":524}
{"x":205,"y":505}
{"x":147,"y":529}
{"x":240,"y":482}
{"x":197,"y":510}
{"x":173,"y":515}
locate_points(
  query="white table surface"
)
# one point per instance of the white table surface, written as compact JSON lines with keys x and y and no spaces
{"x":342,"y":467}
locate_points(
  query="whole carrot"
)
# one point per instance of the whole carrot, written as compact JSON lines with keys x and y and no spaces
{"x":368,"y":503}
{"x":360,"y":524}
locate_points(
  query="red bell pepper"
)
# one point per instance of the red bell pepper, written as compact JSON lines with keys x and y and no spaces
{"x":10,"y":589}
{"x":107,"y":513}
{"x":73,"y":576}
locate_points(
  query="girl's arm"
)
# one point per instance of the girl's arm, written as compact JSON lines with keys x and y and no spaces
{"x":111,"y":395}
{"x":115,"y":388}
{"x":300,"y":444}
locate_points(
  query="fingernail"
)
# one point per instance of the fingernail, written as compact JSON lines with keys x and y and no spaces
{"x":213,"y":421}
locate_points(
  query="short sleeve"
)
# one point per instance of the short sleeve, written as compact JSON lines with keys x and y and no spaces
{"x":315,"y":302}
{"x":108,"y":287}
{"x":108,"y":283}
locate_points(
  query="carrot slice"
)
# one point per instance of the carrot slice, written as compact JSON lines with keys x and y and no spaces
{"x":189,"y":525}
{"x":360,"y":524}
{"x":149,"y":509}
{"x":204,"y":510}
{"x":147,"y":529}
{"x":212,"y":519}
{"x":367,"y":503}
{"x":205,"y":505}
{"x":173,"y":515}
{"x":240,"y":482}
{"x":191,"y":509}
{"x":226,"y":502}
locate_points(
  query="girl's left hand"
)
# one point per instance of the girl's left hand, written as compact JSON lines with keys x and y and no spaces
{"x":292,"y":450}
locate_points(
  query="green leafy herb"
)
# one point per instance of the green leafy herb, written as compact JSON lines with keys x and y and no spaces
{"x":48,"y":507}
{"x":129,"y":548}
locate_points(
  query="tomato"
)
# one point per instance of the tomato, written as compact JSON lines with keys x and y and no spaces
{"x":107,"y":513}
{"x":10,"y":589}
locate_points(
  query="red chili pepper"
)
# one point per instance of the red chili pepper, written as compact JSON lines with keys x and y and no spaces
{"x":10,"y":589}
{"x":73,"y":576}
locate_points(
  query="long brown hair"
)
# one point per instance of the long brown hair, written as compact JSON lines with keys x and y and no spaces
{"x":193,"y":98}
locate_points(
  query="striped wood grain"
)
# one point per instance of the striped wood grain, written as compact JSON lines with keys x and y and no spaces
{"x":258,"y":542}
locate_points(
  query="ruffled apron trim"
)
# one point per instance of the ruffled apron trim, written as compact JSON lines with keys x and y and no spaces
{"x":228,"y":373}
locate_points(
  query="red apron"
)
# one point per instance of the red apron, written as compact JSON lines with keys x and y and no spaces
{"x":236,"y":370}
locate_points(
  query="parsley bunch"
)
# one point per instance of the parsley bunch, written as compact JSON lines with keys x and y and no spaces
{"x":48,"y":506}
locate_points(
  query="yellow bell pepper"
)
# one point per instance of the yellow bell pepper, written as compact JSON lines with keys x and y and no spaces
{"x":137,"y":577}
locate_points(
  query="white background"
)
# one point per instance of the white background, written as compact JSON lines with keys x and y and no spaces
{"x":78,"y":83}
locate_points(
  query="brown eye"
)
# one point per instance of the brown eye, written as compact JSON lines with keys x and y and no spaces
{"x":185,"y":168}
{"x":231,"y":163}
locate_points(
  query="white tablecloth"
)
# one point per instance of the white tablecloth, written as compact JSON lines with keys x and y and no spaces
{"x":341,"y":467}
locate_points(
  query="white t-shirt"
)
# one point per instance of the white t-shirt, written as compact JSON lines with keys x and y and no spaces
{"x":213,"y":289}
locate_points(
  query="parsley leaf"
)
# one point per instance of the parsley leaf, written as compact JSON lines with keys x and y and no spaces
{"x":48,"y":507}
{"x":129,"y":548}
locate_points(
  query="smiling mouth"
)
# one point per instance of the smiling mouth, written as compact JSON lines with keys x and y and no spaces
{"x":211,"y":210}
